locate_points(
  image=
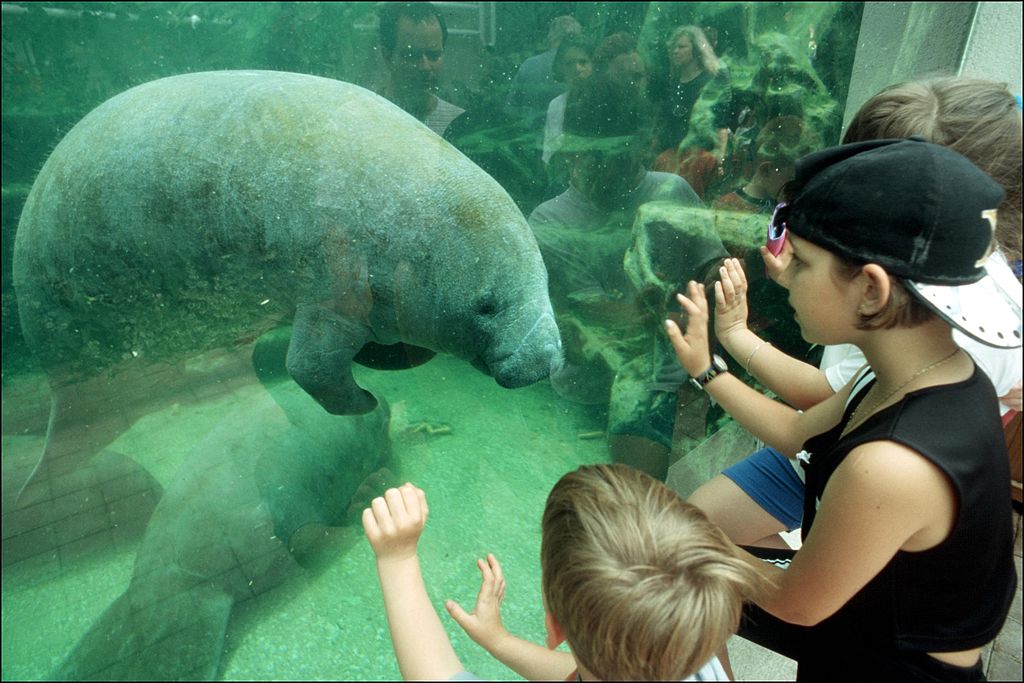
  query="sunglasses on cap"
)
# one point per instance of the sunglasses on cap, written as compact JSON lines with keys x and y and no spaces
{"x":777,"y":229}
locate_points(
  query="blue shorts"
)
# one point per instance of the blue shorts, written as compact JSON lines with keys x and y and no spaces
{"x":768,"y":477}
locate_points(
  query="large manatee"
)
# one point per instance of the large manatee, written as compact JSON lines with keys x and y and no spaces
{"x":199,"y":211}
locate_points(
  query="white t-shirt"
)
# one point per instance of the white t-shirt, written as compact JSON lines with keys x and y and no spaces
{"x":442,"y":115}
{"x":712,"y":671}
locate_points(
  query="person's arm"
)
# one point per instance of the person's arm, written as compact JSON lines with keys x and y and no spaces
{"x":1012,"y":399}
{"x":799,"y":384}
{"x":532,"y":662}
{"x":883,"y":498}
{"x":393,"y":525}
{"x":721,"y":144}
{"x":778,"y":425}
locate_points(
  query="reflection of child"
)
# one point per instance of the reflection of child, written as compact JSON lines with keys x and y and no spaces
{"x":638,"y":582}
{"x":905,"y":511}
{"x":780,"y":143}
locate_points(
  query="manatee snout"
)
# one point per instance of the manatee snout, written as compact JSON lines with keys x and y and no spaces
{"x":534,"y":357}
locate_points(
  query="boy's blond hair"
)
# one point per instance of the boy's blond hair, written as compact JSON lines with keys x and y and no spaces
{"x":642,"y":584}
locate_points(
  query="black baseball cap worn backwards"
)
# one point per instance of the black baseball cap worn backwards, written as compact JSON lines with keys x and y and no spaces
{"x":924,"y":213}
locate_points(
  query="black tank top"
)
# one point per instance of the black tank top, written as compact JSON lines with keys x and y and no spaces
{"x":956,"y":595}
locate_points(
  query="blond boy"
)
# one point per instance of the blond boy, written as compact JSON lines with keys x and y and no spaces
{"x":637,"y":581}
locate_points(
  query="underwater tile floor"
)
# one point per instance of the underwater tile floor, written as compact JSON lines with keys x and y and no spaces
{"x":67,"y":534}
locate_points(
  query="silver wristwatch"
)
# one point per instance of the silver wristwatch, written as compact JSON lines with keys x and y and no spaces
{"x":718,"y":366}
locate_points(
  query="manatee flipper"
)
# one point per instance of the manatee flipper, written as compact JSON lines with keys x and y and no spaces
{"x":177,"y":638}
{"x":320,"y":359}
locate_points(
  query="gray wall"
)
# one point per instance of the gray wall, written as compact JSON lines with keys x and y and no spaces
{"x":994,"y":46}
{"x":901,"y":41}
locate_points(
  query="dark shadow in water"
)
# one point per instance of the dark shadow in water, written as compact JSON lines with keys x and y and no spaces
{"x":263,"y":491}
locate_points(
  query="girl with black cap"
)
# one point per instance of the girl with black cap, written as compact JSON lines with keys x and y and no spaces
{"x":906,"y":567}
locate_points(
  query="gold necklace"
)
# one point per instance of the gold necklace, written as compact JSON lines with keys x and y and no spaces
{"x":856,"y":411}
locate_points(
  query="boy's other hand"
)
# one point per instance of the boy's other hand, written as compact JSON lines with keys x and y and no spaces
{"x":692,"y":346}
{"x":393,"y":522}
{"x":484,"y":624}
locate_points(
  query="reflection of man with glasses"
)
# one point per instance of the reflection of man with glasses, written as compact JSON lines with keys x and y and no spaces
{"x":413,"y":37}
{"x":583,"y":235}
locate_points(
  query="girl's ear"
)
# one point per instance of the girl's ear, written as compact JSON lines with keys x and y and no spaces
{"x":555,"y":635}
{"x":876,"y":287}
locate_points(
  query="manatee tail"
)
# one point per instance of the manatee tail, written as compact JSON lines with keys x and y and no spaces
{"x":177,"y":638}
{"x":72,"y":438}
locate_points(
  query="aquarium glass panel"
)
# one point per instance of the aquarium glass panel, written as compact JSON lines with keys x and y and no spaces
{"x":263,"y":261}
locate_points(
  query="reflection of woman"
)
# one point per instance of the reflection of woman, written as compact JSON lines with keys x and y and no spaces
{"x":693,"y":65}
{"x":573,"y":62}
{"x":695,"y":74}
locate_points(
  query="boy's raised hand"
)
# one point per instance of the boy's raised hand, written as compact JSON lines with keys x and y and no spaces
{"x":691,"y":347}
{"x":730,"y":300}
{"x":393,"y":522}
{"x":484,"y":625}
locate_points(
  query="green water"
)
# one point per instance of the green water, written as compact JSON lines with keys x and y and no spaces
{"x":485,"y":456}
{"x":486,"y":483}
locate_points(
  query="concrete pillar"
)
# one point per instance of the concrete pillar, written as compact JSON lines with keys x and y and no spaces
{"x":901,"y":41}
{"x":993,"y":48}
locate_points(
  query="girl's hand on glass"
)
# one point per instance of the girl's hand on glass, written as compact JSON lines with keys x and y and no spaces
{"x":775,"y":265}
{"x":691,"y":347}
{"x":730,"y":300}
{"x":483,"y":625}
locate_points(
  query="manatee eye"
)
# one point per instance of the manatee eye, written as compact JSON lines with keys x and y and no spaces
{"x":486,"y":306}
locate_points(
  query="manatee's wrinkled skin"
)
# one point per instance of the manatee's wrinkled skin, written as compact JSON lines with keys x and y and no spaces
{"x":194,"y":210}
{"x":198,"y":211}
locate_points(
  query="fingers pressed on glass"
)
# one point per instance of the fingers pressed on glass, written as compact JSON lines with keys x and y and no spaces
{"x":383,"y":516}
{"x":395,"y":504}
{"x":736,"y":270}
{"x":370,"y":523}
{"x":721,"y":296}
{"x":728,"y":287}
{"x":687,"y":304}
{"x":495,"y":566}
{"x":485,"y":571}
{"x":422,"y":496}
{"x":411,"y":501}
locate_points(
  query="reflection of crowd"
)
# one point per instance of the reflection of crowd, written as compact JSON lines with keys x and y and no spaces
{"x":612,"y":139}
{"x":590,"y":132}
